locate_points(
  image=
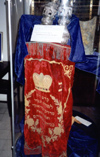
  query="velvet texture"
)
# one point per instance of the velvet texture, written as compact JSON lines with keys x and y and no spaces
{"x":92,"y":65}
{"x":26,"y":26}
{"x":48,"y":99}
{"x":88,"y":63}
{"x":82,"y":142}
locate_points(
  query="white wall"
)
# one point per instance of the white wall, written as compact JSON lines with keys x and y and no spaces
{"x":4,"y":30}
{"x":27,"y":4}
{"x":16,"y":12}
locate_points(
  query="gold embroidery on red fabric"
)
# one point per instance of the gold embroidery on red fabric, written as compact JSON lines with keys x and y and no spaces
{"x":64,"y":154}
{"x":51,"y":62}
{"x":26,"y":102}
{"x":69,"y":90}
{"x":43,"y":114}
{"x":59,"y":90}
{"x":43,"y":119}
{"x":30,"y":93}
{"x":60,"y":83}
{"x":26,"y":105}
{"x":68,"y":70}
{"x":26,"y":146}
{"x":30,"y":122}
{"x":46,"y":105}
{"x":58,"y":104}
{"x":43,"y":97}
{"x":44,"y":110}
{"x":55,"y":132}
{"x":33,"y":124}
{"x":42,"y":82}
{"x":60,"y":86}
{"x":43,"y":141}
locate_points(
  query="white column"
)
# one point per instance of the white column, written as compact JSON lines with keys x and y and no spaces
{"x":27,"y":5}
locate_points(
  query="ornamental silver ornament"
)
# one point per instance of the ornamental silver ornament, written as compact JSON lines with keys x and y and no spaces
{"x":49,"y":12}
{"x":65,"y":13}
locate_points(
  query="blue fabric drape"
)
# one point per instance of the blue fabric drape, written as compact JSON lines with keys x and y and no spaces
{"x":88,"y":63}
{"x":91,"y":65}
{"x":83,"y":141}
{"x":26,"y":26}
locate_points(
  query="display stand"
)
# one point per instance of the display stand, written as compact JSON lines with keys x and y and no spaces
{"x":11,"y":76}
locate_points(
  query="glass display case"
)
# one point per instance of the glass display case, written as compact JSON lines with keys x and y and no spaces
{"x":1,"y":45}
{"x":86,"y":81}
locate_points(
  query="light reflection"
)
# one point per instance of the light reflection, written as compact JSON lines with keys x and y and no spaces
{"x":91,"y":5}
{"x":32,"y":7}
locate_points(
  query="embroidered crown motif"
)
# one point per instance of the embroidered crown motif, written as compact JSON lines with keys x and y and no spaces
{"x":42,"y":82}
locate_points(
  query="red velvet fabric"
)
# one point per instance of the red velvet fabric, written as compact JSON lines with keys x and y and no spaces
{"x":48,"y":99}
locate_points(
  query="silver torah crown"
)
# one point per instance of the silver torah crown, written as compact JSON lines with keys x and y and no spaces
{"x":65,"y":13}
{"x":64,"y":10}
{"x":49,"y":12}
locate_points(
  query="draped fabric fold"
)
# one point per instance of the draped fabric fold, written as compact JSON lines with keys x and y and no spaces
{"x":48,"y":99}
{"x":83,"y":141}
{"x":91,"y":65}
{"x":88,"y":63}
{"x":26,"y":26}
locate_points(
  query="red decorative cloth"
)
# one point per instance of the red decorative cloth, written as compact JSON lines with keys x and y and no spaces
{"x":48,"y":99}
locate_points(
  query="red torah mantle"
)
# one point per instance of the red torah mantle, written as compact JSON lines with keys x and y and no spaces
{"x":48,"y":99}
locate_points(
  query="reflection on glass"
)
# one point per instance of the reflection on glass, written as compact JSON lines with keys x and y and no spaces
{"x":37,"y":6}
{"x":32,"y":7}
{"x":1,"y":45}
